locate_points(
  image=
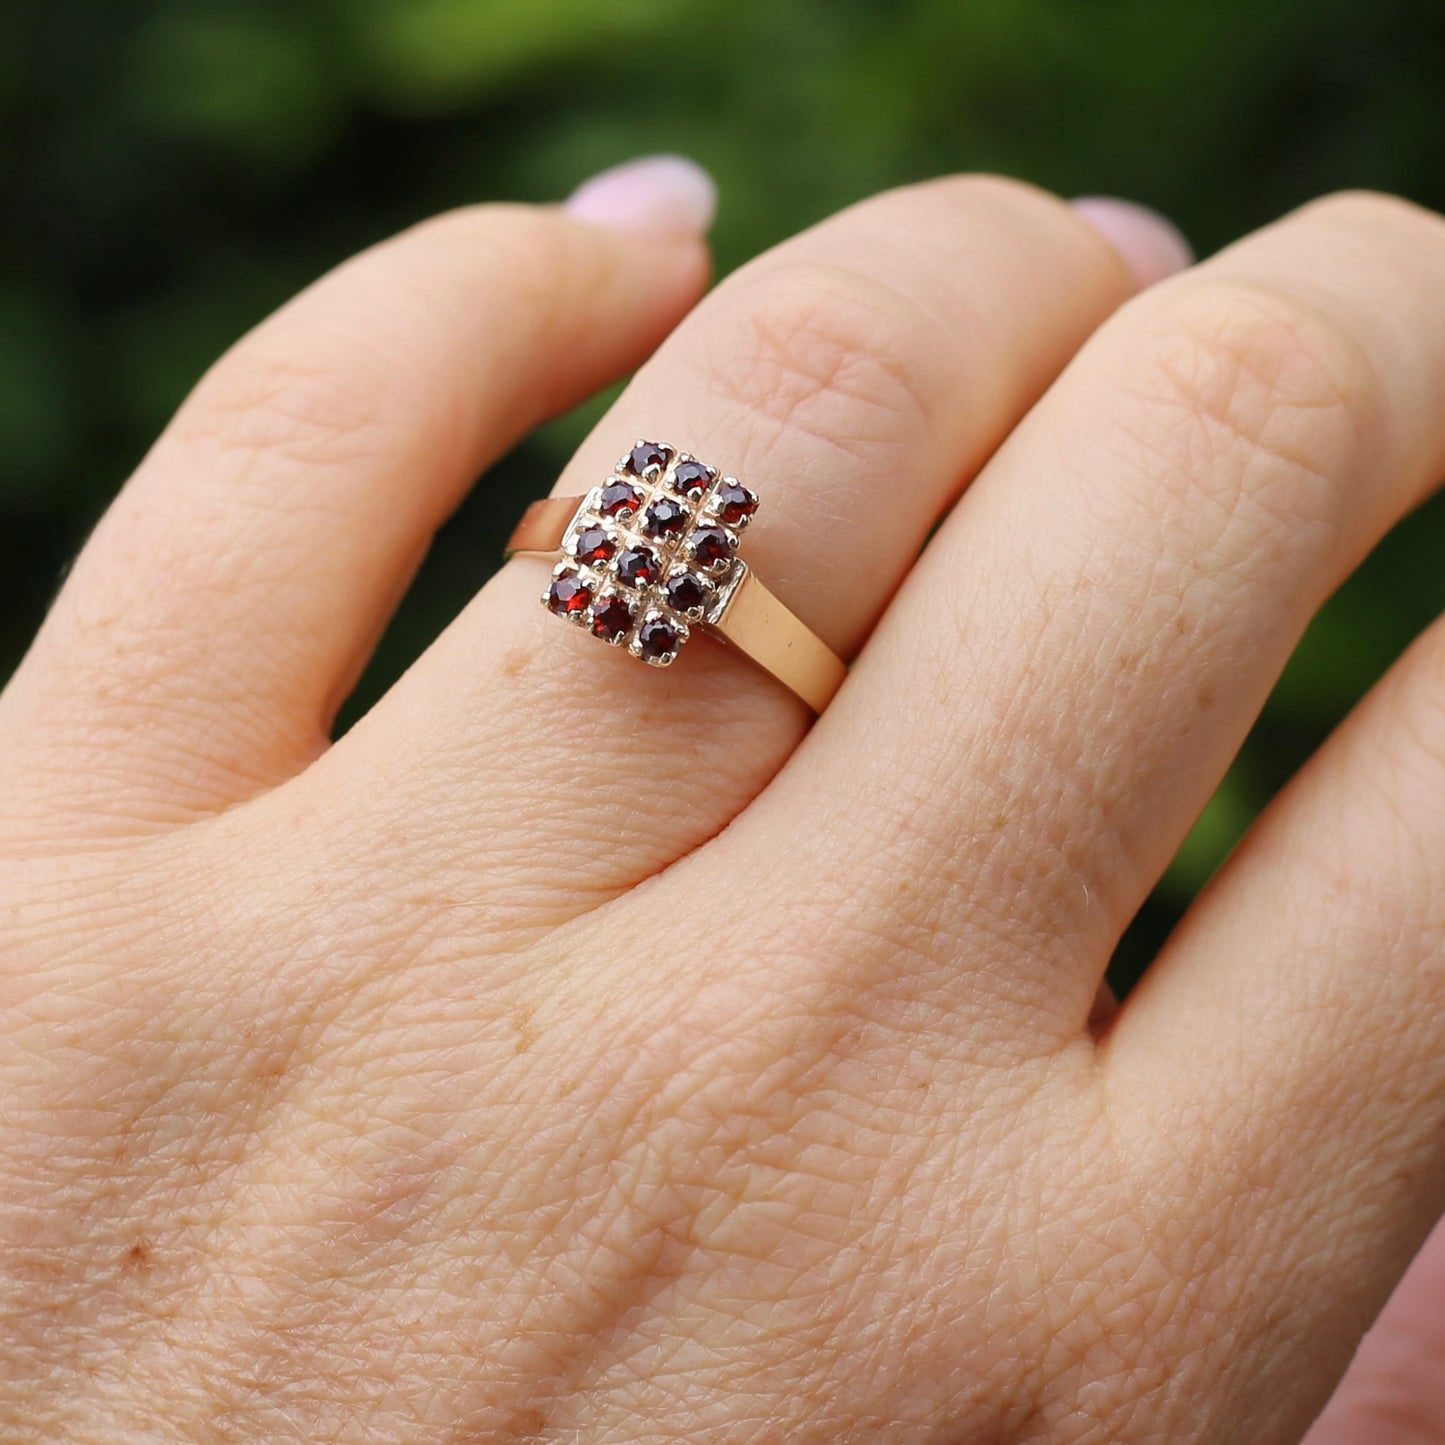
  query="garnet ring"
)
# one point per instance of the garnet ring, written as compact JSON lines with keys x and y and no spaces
{"x":650,"y":555}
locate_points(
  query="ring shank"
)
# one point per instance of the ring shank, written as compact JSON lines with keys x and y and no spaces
{"x":543,"y":525}
{"x":754,"y":621}
{"x":760,"y":627}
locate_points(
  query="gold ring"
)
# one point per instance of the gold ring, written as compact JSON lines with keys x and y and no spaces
{"x":651,"y":553}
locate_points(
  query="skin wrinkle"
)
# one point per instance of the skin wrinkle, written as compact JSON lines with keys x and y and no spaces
{"x":150,"y":698}
{"x":823,"y":338}
{"x":897,"y":301}
{"x":990,"y":927}
{"x":1259,"y":1254}
{"x":816,"y":340}
{"x":561,"y":752}
{"x":1248,"y":393}
{"x":274,"y":401}
{"x":806,"y":360}
{"x":561,"y":1382}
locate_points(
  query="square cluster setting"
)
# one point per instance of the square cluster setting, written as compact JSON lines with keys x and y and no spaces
{"x":650,"y":551}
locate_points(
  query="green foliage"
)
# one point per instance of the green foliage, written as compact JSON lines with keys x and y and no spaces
{"x":175,"y":168}
{"x":252,"y":85}
{"x":430,"y":55}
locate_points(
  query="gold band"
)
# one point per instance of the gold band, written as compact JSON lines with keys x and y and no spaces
{"x":751,"y":619}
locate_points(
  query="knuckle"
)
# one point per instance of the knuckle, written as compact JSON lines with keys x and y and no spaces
{"x":985,"y":209}
{"x":1001,"y":199}
{"x":828,"y":352}
{"x":508,"y":224}
{"x":541,"y":265}
{"x":1257,"y":399}
{"x":1379,"y":210}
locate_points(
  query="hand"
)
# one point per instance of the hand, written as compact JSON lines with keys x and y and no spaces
{"x":575,"y":1051}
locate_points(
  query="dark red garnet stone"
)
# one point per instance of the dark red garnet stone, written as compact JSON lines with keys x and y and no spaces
{"x":595,"y":544}
{"x":638,"y":566}
{"x":691,"y":478}
{"x":657,"y":638}
{"x":665,"y":518}
{"x":568,"y":595}
{"x":611,"y":619}
{"x":618,"y":498}
{"x":711,"y":545}
{"x":735,"y":503}
{"x":686,"y":592}
{"x":644,"y":455}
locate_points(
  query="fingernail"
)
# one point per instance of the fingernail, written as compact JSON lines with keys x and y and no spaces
{"x":1150,"y":246}
{"x":655,"y":193}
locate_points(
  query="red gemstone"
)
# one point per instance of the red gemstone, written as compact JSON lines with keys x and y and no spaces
{"x":657,"y":639}
{"x":711,"y":545}
{"x":611,"y":619}
{"x":568,"y":595}
{"x":735,"y":503}
{"x":619,"y":498}
{"x":687,"y":592}
{"x":595,"y":544}
{"x":638,"y":566}
{"x":645,"y":455}
{"x":665,"y":518}
{"x":692,"y":478}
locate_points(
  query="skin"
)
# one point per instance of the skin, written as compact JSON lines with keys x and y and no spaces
{"x":580,"y":1052}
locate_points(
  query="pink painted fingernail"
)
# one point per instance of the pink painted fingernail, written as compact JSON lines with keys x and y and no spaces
{"x":1151,"y":246}
{"x":655,"y":193}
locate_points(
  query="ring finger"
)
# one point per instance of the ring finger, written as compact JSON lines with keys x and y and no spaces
{"x":855,"y":377}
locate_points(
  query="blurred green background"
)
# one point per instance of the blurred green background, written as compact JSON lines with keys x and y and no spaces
{"x":175,"y":168}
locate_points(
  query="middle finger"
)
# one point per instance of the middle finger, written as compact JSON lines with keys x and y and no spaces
{"x":1095,"y":628}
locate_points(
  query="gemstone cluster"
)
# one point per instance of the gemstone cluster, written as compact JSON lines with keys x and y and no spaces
{"x":651,"y":551}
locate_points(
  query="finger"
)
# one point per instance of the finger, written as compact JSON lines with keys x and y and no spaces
{"x":1300,"y":1011}
{"x":1073,"y":663}
{"x":855,"y":378}
{"x":225,"y":604}
{"x":1394,"y":1389}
